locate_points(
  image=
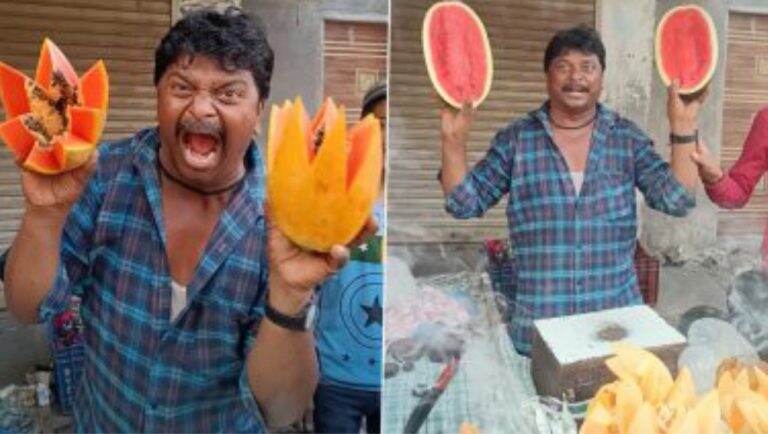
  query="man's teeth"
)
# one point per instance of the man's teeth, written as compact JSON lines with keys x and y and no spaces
{"x":200,"y":159}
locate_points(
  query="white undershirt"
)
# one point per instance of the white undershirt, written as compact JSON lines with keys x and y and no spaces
{"x":178,"y":298}
{"x":578,"y":181}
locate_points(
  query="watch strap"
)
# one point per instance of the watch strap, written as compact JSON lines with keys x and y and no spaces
{"x":300,"y":322}
{"x":676,"y":139}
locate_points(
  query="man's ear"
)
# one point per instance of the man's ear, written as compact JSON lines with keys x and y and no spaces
{"x":259,"y":113}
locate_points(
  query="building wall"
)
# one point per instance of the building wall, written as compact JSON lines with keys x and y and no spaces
{"x":295,"y":30}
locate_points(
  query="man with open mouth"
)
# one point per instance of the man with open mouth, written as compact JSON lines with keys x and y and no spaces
{"x":193,"y":308}
{"x":570,"y":168}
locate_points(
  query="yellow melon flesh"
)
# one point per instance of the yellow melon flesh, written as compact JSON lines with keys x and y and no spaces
{"x":644,"y":421}
{"x":629,"y":398}
{"x":312,"y":196}
{"x":599,"y":421}
{"x":683,"y":391}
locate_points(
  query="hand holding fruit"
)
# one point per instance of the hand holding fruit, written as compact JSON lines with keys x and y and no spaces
{"x":58,"y":191}
{"x":455,"y":125}
{"x":683,"y":112}
{"x":294,"y":272}
{"x":709,"y":169}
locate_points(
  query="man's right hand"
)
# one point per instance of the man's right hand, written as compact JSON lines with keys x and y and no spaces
{"x":57,"y":191}
{"x":456,"y":125}
{"x":709,"y":169}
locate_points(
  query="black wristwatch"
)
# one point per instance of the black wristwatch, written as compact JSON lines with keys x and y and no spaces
{"x":675,"y":139}
{"x":304,"y":321}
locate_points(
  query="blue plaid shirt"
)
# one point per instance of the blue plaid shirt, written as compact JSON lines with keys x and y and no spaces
{"x":142,"y":371}
{"x":572,"y":253}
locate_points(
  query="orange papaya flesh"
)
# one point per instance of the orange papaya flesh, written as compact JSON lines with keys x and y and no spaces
{"x":71,"y":151}
{"x":42,"y":160}
{"x":322,"y":178}
{"x":94,"y":87}
{"x":54,"y":122}
{"x":13,"y":90}
{"x":17,"y":137}
{"x":86,"y":123}
{"x":54,"y":72}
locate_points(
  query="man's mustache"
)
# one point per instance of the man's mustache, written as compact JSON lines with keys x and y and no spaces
{"x":201,"y":127}
{"x":575,"y":88}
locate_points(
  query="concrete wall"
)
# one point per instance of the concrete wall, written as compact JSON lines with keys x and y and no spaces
{"x":624,"y":27}
{"x":295,"y":29}
{"x":22,"y":347}
{"x":179,"y":6}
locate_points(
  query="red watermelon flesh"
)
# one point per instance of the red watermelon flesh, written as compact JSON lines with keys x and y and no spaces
{"x":686,"y":48}
{"x":457,"y":53}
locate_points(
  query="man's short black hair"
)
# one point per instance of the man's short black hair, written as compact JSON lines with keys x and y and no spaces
{"x":235,"y":39}
{"x":581,"y":38}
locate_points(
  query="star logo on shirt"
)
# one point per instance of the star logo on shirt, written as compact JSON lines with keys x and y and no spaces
{"x":374,"y":313}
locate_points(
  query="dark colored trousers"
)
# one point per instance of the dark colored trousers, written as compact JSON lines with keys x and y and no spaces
{"x":342,"y":410}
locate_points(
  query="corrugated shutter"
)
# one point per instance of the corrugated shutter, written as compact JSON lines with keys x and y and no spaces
{"x":746,"y":92}
{"x":518,"y":31}
{"x":354,"y":59}
{"x":122,"y":32}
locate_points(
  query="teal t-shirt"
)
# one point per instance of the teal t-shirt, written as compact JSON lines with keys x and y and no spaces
{"x":350,"y":317}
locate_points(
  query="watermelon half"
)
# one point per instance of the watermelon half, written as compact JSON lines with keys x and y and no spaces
{"x":686,"y":48}
{"x":457,"y":53}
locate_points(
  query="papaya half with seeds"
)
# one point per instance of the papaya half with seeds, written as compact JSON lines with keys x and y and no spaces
{"x":54,"y":122}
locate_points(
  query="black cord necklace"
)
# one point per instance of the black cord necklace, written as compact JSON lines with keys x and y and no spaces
{"x":577,"y":127}
{"x":195,"y":189}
